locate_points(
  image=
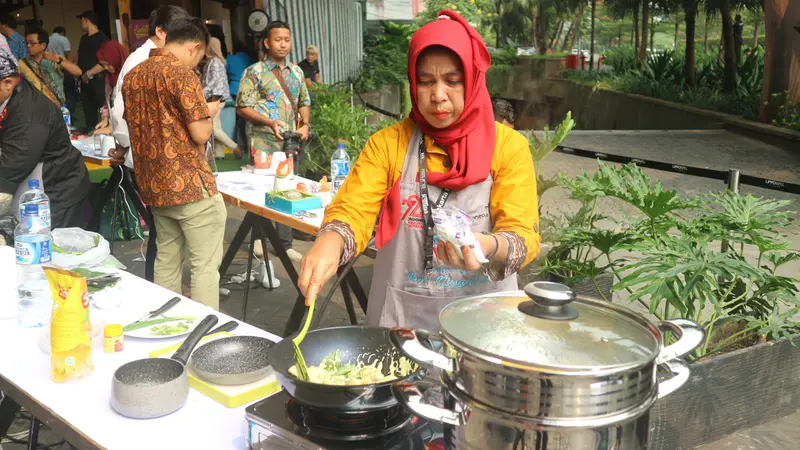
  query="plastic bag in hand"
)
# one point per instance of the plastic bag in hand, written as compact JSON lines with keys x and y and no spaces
{"x":453,"y":225}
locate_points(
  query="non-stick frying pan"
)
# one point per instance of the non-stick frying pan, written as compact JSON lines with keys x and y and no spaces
{"x":154,"y":387}
{"x":352,"y":341}
{"x":232,"y":360}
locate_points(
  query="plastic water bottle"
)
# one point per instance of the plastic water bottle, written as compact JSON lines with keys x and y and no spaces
{"x":33,"y":245}
{"x":67,"y":117}
{"x":36,"y":196}
{"x":340,"y":167}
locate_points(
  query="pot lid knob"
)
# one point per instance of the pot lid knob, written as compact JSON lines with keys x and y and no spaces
{"x":549,"y":301}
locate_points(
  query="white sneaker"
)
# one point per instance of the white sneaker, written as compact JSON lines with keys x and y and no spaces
{"x":294,"y":255}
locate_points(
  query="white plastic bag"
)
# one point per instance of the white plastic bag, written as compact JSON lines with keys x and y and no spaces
{"x":75,"y":247}
{"x":453,"y":225}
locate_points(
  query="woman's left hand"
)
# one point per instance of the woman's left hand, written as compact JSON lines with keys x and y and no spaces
{"x":449,"y":256}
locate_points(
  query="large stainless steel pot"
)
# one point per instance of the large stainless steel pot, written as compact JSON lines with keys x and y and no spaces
{"x":547,"y":361}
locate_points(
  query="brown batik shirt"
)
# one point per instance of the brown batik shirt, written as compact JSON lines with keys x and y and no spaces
{"x":162,"y":97}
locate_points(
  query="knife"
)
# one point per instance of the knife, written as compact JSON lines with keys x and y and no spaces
{"x":152,"y":314}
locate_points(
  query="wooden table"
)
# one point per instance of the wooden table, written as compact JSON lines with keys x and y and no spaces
{"x":248,"y":192}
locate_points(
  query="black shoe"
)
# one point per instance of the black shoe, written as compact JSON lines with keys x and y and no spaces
{"x":300,"y":236}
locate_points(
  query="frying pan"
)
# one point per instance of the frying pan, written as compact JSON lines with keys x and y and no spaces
{"x":232,"y":360}
{"x":154,"y":387}
{"x":352,"y":341}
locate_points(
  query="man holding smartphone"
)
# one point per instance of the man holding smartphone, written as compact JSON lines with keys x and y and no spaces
{"x":170,"y":123}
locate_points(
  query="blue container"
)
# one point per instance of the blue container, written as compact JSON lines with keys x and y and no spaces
{"x":291,"y":207}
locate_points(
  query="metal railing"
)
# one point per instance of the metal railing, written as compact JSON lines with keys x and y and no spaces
{"x":732,"y":178}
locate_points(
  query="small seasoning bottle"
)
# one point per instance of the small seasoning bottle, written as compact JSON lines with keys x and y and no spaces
{"x":114,"y":339}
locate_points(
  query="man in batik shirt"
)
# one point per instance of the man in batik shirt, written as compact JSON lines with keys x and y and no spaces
{"x":263,"y":102}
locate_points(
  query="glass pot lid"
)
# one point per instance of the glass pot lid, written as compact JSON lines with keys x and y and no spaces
{"x":547,"y":327}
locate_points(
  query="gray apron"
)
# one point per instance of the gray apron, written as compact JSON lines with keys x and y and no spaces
{"x":403,"y":294}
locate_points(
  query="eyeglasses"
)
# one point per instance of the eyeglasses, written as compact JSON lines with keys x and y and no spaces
{"x":29,"y":43}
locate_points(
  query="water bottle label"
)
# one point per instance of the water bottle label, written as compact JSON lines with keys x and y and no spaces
{"x":340,"y":168}
{"x":44,"y":215}
{"x":33,"y":252}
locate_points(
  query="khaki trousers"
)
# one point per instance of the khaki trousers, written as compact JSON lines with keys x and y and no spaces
{"x":195,"y":230}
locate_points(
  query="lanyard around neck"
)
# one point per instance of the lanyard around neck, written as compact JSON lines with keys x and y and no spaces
{"x":426,"y":206}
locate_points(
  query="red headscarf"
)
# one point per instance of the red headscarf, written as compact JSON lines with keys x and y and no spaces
{"x":470,"y":140}
{"x":115,"y":54}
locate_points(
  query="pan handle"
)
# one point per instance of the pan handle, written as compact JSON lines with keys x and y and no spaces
{"x":409,"y":343}
{"x":411,"y":397}
{"x":182,"y":354}
{"x":227,"y":327}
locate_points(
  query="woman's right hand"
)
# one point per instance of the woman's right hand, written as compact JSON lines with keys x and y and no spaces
{"x":320,"y":264}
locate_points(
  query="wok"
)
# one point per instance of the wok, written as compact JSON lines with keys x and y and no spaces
{"x":154,"y":387}
{"x":232,"y":360}
{"x":351,"y":341}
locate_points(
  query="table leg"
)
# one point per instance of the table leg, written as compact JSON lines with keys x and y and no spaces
{"x":300,"y":303}
{"x":247,"y":274}
{"x":266,"y":255}
{"x":358,"y":291}
{"x":236,"y":243}
{"x":33,"y":434}
{"x":348,"y":303}
{"x":8,"y":410}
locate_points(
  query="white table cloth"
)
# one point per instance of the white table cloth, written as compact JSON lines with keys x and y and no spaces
{"x":84,"y":404}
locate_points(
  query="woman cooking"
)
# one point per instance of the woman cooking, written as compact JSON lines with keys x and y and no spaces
{"x":469,"y":161}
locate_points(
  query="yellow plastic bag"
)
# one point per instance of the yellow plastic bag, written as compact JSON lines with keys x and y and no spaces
{"x":70,"y":329}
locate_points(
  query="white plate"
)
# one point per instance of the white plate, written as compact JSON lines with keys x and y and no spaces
{"x":178,"y":310}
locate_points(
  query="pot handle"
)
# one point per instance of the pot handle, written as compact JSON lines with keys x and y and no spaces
{"x":410,"y":397}
{"x":409,"y":343}
{"x":690,"y":336}
{"x":680,"y":375}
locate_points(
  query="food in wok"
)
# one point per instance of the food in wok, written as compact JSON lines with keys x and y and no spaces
{"x":333,"y":371}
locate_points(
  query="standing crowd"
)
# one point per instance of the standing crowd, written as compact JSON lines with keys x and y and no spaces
{"x":162,"y":104}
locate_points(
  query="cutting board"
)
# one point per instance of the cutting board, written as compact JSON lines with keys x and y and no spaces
{"x":230,"y":396}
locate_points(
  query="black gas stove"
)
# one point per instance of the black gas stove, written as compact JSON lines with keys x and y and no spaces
{"x":280,"y":423}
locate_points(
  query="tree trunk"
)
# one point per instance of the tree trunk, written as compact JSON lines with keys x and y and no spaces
{"x":705,"y":35}
{"x":645,"y":25}
{"x":591,"y":43}
{"x":652,"y":32}
{"x":636,"y":33}
{"x":568,"y":37}
{"x":690,"y":12}
{"x":729,"y":80}
{"x":559,"y":30}
{"x":782,"y":58}
{"x":541,"y":30}
{"x":576,"y":28}
{"x":534,"y":17}
{"x":619,"y":36}
{"x":498,"y":30}
{"x":755,"y":29}
{"x":677,"y":26}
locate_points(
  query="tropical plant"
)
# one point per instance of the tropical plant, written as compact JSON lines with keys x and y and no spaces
{"x":480,"y":14}
{"x":335,"y":120}
{"x":788,"y":114}
{"x":542,"y":148}
{"x":665,"y":255}
{"x":385,"y":58}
